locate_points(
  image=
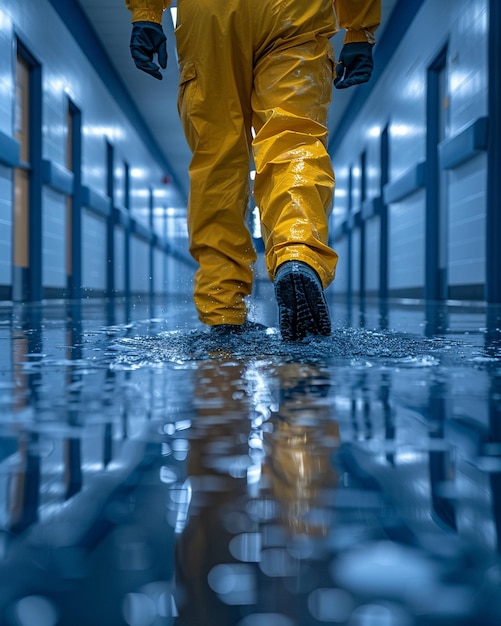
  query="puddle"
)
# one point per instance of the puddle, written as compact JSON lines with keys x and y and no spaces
{"x":177,"y":478}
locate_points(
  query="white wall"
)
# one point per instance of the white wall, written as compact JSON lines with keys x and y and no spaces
{"x":139,"y":262}
{"x":93,"y":251}
{"x":54,"y":239}
{"x":372,"y":239}
{"x":68,"y":74}
{"x":467,"y":223}
{"x":5,"y":225}
{"x":159,"y":274}
{"x":341,"y":280}
{"x":399,"y":100}
{"x":119,"y":267}
{"x":406,"y":242}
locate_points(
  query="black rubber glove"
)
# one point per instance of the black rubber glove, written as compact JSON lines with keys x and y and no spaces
{"x":146,"y":40}
{"x":355,"y":64}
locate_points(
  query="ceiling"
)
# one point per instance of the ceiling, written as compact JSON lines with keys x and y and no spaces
{"x":157,"y":100}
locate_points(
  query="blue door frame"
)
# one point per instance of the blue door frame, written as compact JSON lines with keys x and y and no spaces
{"x":384,"y":163}
{"x":493,"y":234}
{"x":433,"y":289}
{"x":75,"y":280}
{"x":110,"y":221}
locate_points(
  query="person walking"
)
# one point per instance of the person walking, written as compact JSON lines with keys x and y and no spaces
{"x":256,"y":82}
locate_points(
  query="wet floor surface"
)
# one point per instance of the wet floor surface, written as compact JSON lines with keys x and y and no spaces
{"x":151,"y":474}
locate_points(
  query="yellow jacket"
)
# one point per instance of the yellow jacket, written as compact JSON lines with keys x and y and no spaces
{"x":360,"y":18}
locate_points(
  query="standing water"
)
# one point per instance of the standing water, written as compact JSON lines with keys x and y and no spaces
{"x":152,"y":474}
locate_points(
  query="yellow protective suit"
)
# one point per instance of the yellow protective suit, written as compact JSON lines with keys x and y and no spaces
{"x":256,"y":79}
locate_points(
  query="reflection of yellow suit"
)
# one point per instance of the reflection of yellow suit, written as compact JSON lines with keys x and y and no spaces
{"x":300,"y":468}
{"x":296,"y":461}
{"x":298,"y":451}
{"x":270,"y":70}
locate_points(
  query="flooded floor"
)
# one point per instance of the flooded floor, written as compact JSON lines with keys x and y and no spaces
{"x":151,"y":474}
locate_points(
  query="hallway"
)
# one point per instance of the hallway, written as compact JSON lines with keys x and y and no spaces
{"x":152,"y":474}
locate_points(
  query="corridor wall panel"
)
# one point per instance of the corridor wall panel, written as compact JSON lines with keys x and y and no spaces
{"x":140,"y":270}
{"x":340,"y":284}
{"x":407,"y":243}
{"x":6,"y":126}
{"x":119,"y":269}
{"x":159,"y":274}
{"x":54,"y":109}
{"x":468,"y":63}
{"x":93,"y":252}
{"x":341,"y":193}
{"x":5,"y":226}
{"x":467,"y":223}
{"x":54,"y":239}
{"x":355,"y":261}
{"x":179,"y":279}
{"x":372,"y":239}
{"x":6,"y":76}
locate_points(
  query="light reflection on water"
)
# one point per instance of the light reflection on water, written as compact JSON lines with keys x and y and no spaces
{"x":151,"y":475}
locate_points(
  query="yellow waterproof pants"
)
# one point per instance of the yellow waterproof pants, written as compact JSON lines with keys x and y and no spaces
{"x":256,"y":78}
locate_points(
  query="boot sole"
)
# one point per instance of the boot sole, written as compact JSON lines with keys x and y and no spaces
{"x":301,"y":303}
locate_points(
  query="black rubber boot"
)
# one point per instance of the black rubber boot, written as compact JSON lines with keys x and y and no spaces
{"x":302,"y":307}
